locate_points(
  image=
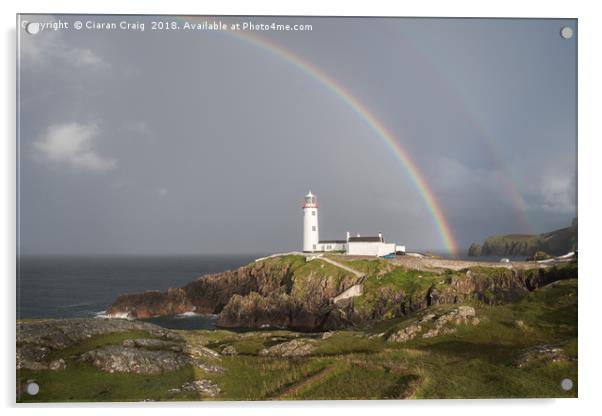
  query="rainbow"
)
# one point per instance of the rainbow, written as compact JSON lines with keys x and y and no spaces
{"x":487,"y":140}
{"x":381,"y":131}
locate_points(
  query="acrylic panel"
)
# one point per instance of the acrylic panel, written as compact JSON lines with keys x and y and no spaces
{"x":295,"y":208}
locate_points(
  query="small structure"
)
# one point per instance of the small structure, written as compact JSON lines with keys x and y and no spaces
{"x":369,"y":246}
{"x":353,"y":246}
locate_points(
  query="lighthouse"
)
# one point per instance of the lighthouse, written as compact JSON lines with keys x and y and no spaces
{"x":310,"y":223}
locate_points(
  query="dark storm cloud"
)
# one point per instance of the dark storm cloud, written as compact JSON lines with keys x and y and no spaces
{"x":180,"y":142}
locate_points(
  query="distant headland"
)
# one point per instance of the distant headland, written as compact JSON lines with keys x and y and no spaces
{"x":535,"y":246}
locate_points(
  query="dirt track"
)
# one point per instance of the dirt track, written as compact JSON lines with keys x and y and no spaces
{"x":434,"y":264}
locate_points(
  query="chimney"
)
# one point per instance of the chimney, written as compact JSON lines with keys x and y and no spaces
{"x":358,"y":234}
{"x":380,"y":237}
{"x":348,"y":235}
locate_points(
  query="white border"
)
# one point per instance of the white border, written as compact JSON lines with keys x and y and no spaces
{"x":590,"y":70}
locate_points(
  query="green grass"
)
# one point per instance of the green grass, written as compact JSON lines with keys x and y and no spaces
{"x":347,"y":342}
{"x":83,"y":382}
{"x":294,"y":262}
{"x":478,"y":361}
{"x":115,"y":338}
{"x":411,"y":285}
{"x":371,"y":267}
{"x":260,"y":378}
{"x":248,"y":346}
{"x":357,"y":378}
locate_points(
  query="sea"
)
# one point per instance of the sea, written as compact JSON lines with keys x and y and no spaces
{"x":85,"y":286}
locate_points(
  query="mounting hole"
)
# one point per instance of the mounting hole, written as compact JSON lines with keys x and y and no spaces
{"x":32,"y":28}
{"x":32,"y":389}
{"x":566,"y":32}
{"x":566,"y":384}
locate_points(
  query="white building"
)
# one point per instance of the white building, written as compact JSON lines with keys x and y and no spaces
{"x":369,"y":246}
{"x":355,"y":246}
{"x":311,"y":234}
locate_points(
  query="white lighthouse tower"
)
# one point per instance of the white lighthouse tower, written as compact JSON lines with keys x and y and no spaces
{"x":310,"y":223}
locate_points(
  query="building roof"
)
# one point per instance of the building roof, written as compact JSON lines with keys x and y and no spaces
{"x":332,"y":242}
{"x":376,"y":239}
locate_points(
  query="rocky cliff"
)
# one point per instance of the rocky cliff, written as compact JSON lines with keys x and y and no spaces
{"x":554,"y":243}
{"x":288,"y":292}
{"x":281,"y":292}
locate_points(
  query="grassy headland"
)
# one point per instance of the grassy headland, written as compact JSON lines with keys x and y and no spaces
{"x":520,"y":346}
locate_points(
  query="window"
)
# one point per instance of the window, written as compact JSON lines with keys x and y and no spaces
{"x":313,"y":213}
{"x":313,"y":228}
{"x":314,"y":246}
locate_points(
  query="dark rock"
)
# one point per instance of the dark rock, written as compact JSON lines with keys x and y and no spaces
{"x":538,"y":256}
{"x":263,"y":294}
{"x":32,"y":357}
{"x":474,"y":250}
{"x":208,"y":294}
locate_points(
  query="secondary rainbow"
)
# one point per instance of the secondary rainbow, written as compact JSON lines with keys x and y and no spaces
{"x":369,"y":118}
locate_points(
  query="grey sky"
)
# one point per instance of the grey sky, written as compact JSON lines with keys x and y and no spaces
{"x":199,"y":142}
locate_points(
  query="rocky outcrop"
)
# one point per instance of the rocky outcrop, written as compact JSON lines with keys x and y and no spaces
{"x":35,"y":357}
{"x":436,"y":324}
{"x":549,"y":353}
{"x":280,"y":310}
{"x":229,"y":350}
{"x":263,"y":294}
{"x":129,"y":359}
{"x":294,"y":348}
{"x":538,"y":256}
{"x":32,"y":357}
{"x":37,"y":339}
{"x":119,"y":359}
{"x":62,"y":333}
{"x":203,"y":387}
{"x":208,"y":294}
{"x":474,"y":250}
{"x":290,"y":293}
{"x":406,"y":334}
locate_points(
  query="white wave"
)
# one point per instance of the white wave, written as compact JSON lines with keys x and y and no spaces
{"x":121,"y":315}
{"x":188,"y":314}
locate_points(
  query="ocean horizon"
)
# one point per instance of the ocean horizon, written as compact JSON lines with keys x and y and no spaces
{"x":68,"y":286}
